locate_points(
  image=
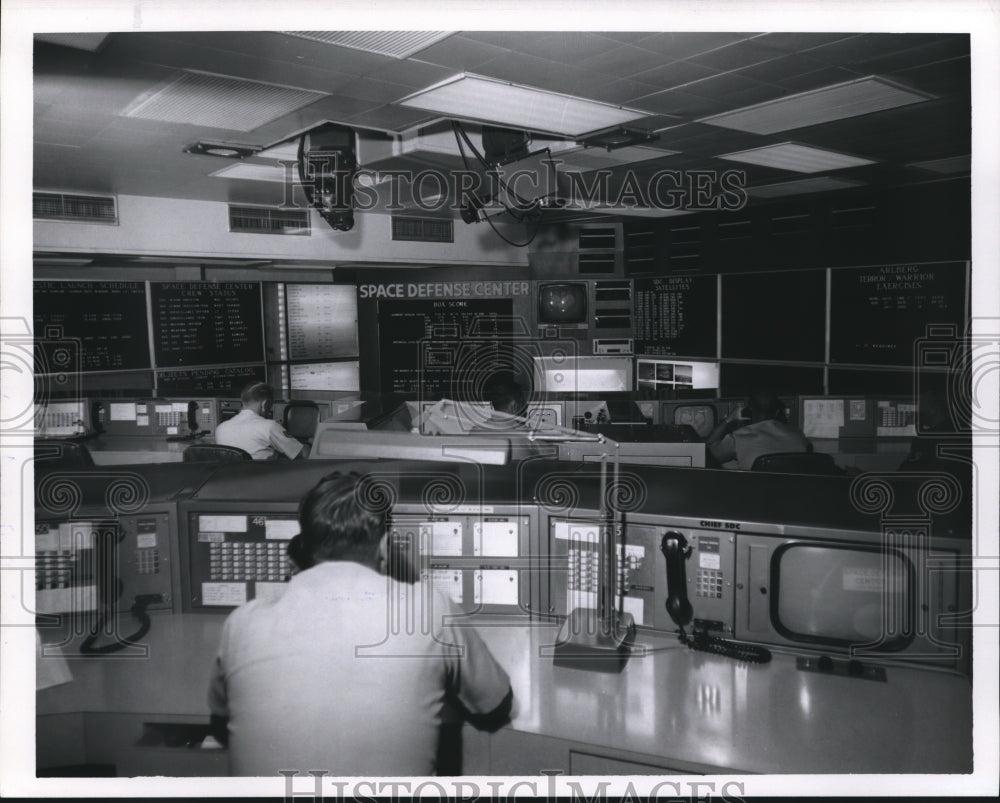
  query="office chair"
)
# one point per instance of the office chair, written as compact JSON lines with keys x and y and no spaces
{"x":54,"y":454}
{"x":300,"y":419}
{"x":797,"y":463}
{"x":214,"y":453}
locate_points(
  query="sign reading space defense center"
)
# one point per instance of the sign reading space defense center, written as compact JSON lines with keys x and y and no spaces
{"x":479,"y":289}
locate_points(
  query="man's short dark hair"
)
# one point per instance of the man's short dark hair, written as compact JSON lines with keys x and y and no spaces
{"x":335,"y":525}
{"x":256,"y":392}
{"x":765,"y":404}
{"x":505,"y":394}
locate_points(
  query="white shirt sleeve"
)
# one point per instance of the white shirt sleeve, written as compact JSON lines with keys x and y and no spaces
{"x":282,"y":442}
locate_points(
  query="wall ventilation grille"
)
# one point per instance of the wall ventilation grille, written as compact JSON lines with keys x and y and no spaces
{"x":600,"y":249}
{"x":791,"y":224}
{"x":858,"y":217}
{"x":423,"y":229}
{"x":598,"y":264}
{"x":735,"y":230}
{"x":265,"y":220}
{"x":685,"y":249}
{"x":595,"y":237}
{"x":640,"y":247}
{"x":80,"y":208}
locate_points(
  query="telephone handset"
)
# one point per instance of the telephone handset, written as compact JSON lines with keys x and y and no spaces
{"x":192,"y":423}
{"x":676,"y":551}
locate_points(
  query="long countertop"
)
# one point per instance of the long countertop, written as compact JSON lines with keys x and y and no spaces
{"x":857,"y":454}
{"x":668,"y":704}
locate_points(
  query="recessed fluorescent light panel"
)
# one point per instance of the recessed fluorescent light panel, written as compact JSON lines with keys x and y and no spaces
{"x":799,"y":158}
{"x":801,"y":186}
{"x":601,"y":208}
{"x":521,"y":107}
{"x":398,"y":44}
{"x":279,"y":174}
{"x":587,"y":159}
{"x":250,"y":171}
{"x":81,"y":41}
{"x":837,"y":102}
{"x":282,"y":152}
{"x":951,"y":164}
{"x":220,"y":101}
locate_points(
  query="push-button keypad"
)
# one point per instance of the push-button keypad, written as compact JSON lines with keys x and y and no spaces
{"x":240,"y":562}
{"x":709,"y":583}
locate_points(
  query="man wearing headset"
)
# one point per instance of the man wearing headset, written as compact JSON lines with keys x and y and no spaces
{"x":759,"y":429}
{"x":253,"y":431}
{"x":312,"y":679}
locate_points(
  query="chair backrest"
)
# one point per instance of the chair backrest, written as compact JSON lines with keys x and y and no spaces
{"x":300,"y":419}
{"x":214,"y":453}
{"x":797,"y":463}
{"x":52,"y":453}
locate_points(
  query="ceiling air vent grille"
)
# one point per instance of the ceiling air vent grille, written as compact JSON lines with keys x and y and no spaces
{"x":398,"y":44}
{"x":80,"y":208}
{"x":267,"y":220}
{"x":423,"y":229}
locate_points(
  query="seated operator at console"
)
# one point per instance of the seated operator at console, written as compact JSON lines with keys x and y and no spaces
{"x":253,"y":431}
{"x":763,"y":432}
{"x":313,"y":680}
{"x":506,"y":395}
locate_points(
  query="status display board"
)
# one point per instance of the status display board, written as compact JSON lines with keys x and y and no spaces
{"x":90,"y":326}
{"x":774,"y":316}
{"x":322,"y":321}
{"x":435,"y":349}
{"x":879,"y":313}
{"x":225,"y":380}
{"x":206,"y":323}
{"x":676,"y":316}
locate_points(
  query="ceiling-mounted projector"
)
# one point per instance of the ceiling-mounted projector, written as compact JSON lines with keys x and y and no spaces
{"x":327,"y":164}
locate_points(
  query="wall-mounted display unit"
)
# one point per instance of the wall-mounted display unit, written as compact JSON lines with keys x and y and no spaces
{"x":90,"y":326}
{"x":206,"y":323}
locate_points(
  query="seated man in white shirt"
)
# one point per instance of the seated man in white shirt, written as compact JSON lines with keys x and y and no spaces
{"x":253,"y":431}
{"x":740,"y":439}
{"x":312,"y":679}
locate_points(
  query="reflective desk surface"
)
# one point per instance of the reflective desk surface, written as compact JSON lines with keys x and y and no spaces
{"x":669,"y":706}
{"x":856,"y":455}
{"x":120,"y":451}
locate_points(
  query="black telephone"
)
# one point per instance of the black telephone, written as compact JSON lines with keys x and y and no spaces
{"x":97,"y":417}
{"x":676,"y":551}
{"x":192,"y":423}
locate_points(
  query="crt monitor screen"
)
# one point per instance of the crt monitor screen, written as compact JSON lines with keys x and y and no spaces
{"x":842,"y":595}
{"x":701,"y":417}
{"x":562,"y":303}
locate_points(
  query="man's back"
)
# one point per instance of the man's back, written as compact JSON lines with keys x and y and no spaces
{"x":766,"y":437}
{"x":314,"y":680}
{"x":259,"y":436}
